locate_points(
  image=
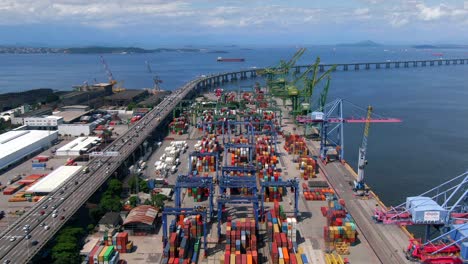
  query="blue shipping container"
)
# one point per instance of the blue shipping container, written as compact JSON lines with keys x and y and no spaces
{"x":464,"y":251}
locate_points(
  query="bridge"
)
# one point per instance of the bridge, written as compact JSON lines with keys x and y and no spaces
{"x":217,"y":79}
{"x":71,"y":195}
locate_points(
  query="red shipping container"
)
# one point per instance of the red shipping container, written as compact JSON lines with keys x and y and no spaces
{"x":238,"y":257}
{"x":227,"y":257}
{"x":244,"y":259}
{"x":171,"y":261}
{"x":255,"y":257}
{"x":293,"y":258}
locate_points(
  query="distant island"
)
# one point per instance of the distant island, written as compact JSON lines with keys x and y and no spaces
{"x":94,"y":50}
{"x":442,"y":46}
{"x":365,"y":43}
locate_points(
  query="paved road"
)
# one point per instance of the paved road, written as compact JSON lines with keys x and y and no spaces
{"x":386,"y":241}
{"x":71,"y":195}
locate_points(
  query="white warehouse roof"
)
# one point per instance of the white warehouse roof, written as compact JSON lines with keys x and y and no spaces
{"x":17,"y":144}
{"x":73,"y":148}
{"x":54,"y":179}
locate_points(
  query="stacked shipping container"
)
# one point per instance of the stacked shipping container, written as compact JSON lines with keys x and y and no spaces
{"x":184,"y":241}
{"x":241,"y":242}
{"x":340,"y":225}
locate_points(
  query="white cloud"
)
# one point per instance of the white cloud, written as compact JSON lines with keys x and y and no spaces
{"x":427,"y":13}
{"x":361,"y":11}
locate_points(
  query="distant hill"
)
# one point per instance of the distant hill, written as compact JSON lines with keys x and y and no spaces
{"x":441,"y":46}
{"x":365,"y":43}
{"x":86,"y":50}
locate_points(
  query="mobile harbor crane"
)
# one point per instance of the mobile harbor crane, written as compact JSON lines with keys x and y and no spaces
{"x":359,"y":185}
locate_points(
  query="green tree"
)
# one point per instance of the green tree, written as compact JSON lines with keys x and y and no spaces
{"x":90,"y":228}
{"x":131,"y":105}
{"x":144,"y":187}
{"x":110,"y":203}
{"x":158,"y":200}
{"x":115,"y":187}
{"x":52,"y":98}
{"x":67,"y":246}
{"x":147,"y":202}
{"x":96,"y":213}
{"x":133,"y":201}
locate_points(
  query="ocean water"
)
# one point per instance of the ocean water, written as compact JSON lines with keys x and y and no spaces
{"x":405,"y":159}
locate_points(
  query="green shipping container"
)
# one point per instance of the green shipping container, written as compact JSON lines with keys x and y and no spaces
{"x":109,"y":253}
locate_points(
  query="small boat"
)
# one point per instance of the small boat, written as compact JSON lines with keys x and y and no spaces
{"x":438,"y":54}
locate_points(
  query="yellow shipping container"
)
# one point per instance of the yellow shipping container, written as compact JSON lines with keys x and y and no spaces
{"x":233,"y":258}
{"x":299,"y":258}
{"x":101,"y":255}
{"x":281,"y":261}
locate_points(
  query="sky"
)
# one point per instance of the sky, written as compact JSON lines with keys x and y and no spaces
{"x":157,"y":23}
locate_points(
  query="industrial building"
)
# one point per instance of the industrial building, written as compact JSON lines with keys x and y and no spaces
{"x":78,"y":146}
{"x":76,"y":130}
{"x":72,"y":113}
{"x":141,"y":220}
{"x":53,"y":180}
{"x":109,"y":221}
{"x":19,"y":119}
{"x":16,"y":145}
{"x":125,"y":97}
{"x":44,"y":122}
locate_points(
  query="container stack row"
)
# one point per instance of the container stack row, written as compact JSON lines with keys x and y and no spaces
{"x":316,"y":194}
{"x":102,"y":254}
{"x":307,"y":167}
{"x":119,"y":240}
{"x":179,"y":125}
{"x":295,"y":145}
{"x":208,"y":144}
{"x":281,"y":234}
{"x":184,"y":241}
{"x":241,"y":242}
{"x":340,"y":228}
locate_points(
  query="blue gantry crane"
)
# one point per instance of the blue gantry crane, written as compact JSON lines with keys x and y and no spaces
{"x":198,"y":210}
{"x":186,"y":181}
{"x":292,"y":183}
{"x":332,"y":120}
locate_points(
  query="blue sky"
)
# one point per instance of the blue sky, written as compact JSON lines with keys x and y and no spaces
{"x":155,"y":23}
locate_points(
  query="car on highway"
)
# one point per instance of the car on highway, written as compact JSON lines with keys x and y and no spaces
{"x":34,"y":242}
{"x":46,"y":227}
{"x":12,"y":239}
{"x":45,"y":206}
{"x":62,"y":217}
{"x":28,"y":236}
{"x":42,"y":212}
{"x":54,"y":215}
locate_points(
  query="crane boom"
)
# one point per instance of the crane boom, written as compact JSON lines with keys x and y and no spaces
{"x":362,"y":162}
{"x":110,"y":77}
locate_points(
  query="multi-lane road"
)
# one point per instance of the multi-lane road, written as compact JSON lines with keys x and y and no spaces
{"x":26,"y":236}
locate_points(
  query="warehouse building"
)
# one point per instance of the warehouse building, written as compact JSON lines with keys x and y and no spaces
{"x":110,"y":221}
{"x":141,"y":220}
{"x":53,"y":180}
{"x":76,"y":130}
{"x":20,"y":144}
{"x":45,"y":122}
{"x":78,"y":146}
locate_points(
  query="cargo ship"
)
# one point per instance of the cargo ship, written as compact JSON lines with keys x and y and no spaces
{"x":230,"y":59}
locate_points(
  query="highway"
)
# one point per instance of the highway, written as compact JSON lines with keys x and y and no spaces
{"x":71,"y":195}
